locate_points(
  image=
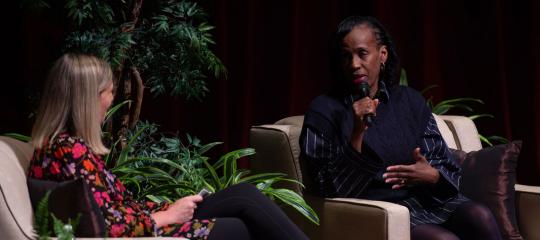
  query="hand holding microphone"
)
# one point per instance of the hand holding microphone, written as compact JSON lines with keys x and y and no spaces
{"x":365,"y":107}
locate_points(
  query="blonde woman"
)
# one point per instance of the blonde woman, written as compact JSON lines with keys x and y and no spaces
{"x":67,"y":141}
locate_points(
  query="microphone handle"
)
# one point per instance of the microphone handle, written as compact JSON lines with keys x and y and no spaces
{"x":364,"y":92}
{"x":368,"y":119}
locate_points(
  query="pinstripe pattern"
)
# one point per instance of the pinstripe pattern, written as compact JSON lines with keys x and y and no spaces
{"x":342,"y":171}
{"x":436,"y":152}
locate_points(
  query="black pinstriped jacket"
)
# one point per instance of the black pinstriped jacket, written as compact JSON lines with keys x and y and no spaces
{"x":403,"y":122}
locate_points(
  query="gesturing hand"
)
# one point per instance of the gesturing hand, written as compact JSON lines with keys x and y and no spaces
{"x":179,"y":212}
{"x":418,"y":173}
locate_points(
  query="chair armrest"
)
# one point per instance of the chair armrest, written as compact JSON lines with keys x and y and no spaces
{"x":134,"y":238}
{"x":373,"y":217}
{"x":528,"y":210}
{"x":365,"y":219}
{"x":350,"y":218}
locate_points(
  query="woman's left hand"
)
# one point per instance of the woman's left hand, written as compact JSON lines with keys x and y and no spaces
{"x":180,"y":211}
{"x":418,"y":173}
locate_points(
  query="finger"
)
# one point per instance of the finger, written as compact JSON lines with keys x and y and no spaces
{"x":190,"y":205}
{"x":417,"y":156}
{"x":397,"y":174}
{"x":196,"y":198}
{"x":401,"y":183}
{"x":358,"y":110}
{"x":416,"y":153}
{"x":372,"y":106}
{"x":394,"y":180}
{"x":376,"y":104}
{"x":363,"y":100}
{"x":399,"y":168}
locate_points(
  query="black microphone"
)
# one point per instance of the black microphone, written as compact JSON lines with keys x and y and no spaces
{"x":364,"y":90}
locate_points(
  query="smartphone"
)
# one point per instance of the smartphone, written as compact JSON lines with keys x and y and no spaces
{"x":204,"y":192}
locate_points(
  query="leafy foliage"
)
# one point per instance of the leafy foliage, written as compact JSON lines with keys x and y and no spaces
{"x":168,"y":41}
{"x":42,"y":218}
{"x":65,"y":231}
{"x":173,"y":50}
{"x":156,"y":164}
{"x":163,"y":168}
{"x":465,"y":104}
{"x":232,"y":175}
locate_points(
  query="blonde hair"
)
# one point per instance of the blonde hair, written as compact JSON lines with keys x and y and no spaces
{"x":71,"y":101}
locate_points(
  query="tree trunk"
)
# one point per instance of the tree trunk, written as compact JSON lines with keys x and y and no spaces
{"x":137,"y":97}
{"x":130,"y":87}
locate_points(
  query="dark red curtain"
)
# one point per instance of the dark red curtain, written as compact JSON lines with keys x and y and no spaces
{"x":276,"y":55}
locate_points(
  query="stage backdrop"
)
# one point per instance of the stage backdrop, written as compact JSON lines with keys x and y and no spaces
{"x":276,"y":55}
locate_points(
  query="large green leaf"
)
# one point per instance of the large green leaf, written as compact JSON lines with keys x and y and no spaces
{"x":207,"y":147}
{"x":114,"y":109}
{"x":474,"y":117}
{"x":460,"y":103}
{"x":153,"y":160}
{"x":124,"y":153}
{"x":403,"y":81}
{"x":241,"y":173}
{"x":294,"y":200}
{"x":214,"y":178}
{"x":19,"y":137}
{"x":485,"y":140}
{"x":498,"y":139}
{"x":158,"y":199}
{"x":42,"y":217}
{"x":261,"y":177}
{"x":236,"y":154}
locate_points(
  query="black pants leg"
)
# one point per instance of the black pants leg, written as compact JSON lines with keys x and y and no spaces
{"x":473,"y":221}
{"x":263,"y":218}
{"x":432,"y":232}
{"x":470,"y":221}
{"x":229,"y":228}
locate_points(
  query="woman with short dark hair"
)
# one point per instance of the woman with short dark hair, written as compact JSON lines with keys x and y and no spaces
{"x":398,"y":155}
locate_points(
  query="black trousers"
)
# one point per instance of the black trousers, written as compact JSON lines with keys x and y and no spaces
{"x":243,"y":212}
{"x":470,"y":221}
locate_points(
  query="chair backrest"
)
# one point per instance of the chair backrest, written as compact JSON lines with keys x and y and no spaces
{"x":278,"y":148}
{"x":459,"y":132}
{"x":16,"y":215}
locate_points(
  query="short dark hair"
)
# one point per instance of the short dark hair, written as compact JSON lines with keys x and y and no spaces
{"x":391,"y":70}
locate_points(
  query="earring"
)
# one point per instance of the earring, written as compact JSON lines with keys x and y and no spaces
{"x":382,"y":67}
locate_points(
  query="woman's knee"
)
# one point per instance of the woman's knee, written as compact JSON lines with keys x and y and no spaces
{"x":229,"y":228}
{"x":432,"y":232}
{"x":477,"y":212}
{"x":245,"y":189}
{"x":246,"y":186}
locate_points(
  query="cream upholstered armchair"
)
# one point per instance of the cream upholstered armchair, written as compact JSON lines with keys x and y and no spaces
{"x":16,"y":215}
{"x":346,"y":218}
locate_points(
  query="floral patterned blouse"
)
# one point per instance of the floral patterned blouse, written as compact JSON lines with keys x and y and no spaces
{"x":68,"y":158}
